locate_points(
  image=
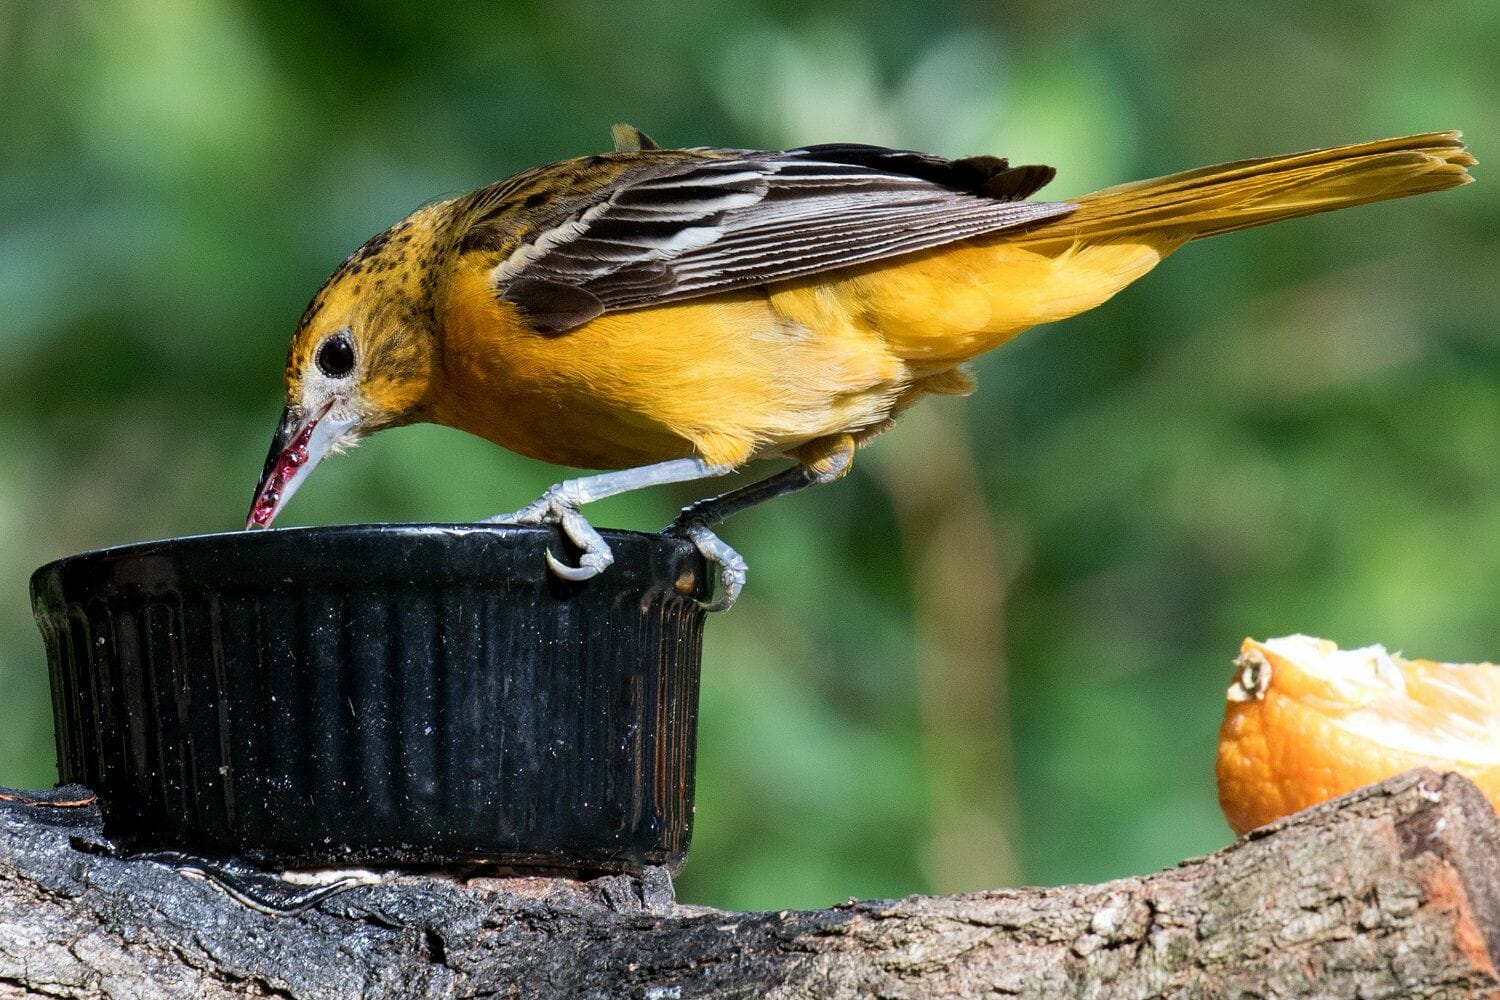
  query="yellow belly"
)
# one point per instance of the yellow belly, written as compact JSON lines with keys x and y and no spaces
{"x":754,"y":374}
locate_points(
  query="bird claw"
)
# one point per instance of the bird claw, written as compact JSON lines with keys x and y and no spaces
{"x":557,"y":507}
{"x":589,"y":566}
{"x":732,"y":566}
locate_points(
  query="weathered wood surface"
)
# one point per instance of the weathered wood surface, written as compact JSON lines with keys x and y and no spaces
{"x":1391,"y":892}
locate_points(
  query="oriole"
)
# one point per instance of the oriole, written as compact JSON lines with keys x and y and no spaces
{"x":676,"y":313}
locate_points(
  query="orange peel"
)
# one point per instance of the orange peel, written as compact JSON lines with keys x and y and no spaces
{"x":1306,"y":721}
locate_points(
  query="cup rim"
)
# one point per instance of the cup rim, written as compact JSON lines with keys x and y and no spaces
{"x":372,"y":529}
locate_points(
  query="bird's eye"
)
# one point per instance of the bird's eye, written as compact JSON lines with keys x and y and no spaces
{"x":336,"y":356}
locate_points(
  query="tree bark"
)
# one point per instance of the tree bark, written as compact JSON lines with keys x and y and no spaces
{"x":1393,"y":891}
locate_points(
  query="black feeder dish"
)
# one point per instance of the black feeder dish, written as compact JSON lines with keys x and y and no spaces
{"x":409,"y":694}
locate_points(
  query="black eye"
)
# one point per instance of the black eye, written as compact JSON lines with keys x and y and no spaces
{"x":336,"y":356}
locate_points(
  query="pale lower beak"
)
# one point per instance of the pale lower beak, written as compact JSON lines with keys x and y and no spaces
{"x":296,"y":448}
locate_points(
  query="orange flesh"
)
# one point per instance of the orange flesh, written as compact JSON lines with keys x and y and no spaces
{"x":1306,"y":721}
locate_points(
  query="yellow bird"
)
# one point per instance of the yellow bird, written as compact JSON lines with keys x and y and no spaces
{"x":672,"y":314}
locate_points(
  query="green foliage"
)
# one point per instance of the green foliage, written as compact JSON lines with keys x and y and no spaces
{"x":1292,"y":429}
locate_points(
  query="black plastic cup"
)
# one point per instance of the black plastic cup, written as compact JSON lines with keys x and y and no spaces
{"x":414,"y":694}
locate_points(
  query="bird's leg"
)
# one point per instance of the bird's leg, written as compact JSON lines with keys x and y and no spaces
{"x":559,"y":505}
{"x":697,"y":521}
{"x":830,"y":460}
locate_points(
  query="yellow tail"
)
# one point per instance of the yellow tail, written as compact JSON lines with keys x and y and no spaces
{"x":947,"y":305}
{"x":1230,"y":196}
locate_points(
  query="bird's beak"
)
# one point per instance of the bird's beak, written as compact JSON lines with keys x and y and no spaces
{"x":298,"y":446}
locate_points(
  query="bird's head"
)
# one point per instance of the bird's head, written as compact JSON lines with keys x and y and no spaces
{"x":362,"y":359}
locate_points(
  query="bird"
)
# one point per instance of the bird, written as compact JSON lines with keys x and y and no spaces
{"x":669,"y":315}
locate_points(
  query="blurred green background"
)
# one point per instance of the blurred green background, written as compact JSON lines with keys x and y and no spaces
{"x":997,"y":653}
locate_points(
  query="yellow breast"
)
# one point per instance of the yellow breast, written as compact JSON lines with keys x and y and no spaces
{"x":728,"y":378}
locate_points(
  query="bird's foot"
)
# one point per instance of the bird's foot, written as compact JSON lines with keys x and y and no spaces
{"x":732,"y":566}
{"x":559,"y":505}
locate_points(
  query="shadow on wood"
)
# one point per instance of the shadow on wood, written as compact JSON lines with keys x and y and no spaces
{"x":1391,"y":891}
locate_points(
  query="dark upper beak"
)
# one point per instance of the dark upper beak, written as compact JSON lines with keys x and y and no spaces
{"x":297,"y":447}
{"x":268,"y":492}
{"x":286,"y":429}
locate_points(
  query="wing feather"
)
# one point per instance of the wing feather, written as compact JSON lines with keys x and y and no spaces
{"x":717,"y":220}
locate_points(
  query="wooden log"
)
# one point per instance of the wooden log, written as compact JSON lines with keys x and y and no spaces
{"x":1393,"y":891}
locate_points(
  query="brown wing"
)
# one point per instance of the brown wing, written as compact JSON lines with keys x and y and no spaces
{"x":667,"y":228}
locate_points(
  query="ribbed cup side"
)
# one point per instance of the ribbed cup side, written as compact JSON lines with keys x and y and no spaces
{"x":382,"y":694}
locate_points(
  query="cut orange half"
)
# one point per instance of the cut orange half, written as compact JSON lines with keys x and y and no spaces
{"x":1306,"y":721}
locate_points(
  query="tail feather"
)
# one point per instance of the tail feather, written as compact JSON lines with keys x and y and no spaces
{"x":944,"y":306}
{"x":1221,"y":199}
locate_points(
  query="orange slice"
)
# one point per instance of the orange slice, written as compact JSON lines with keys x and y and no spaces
{"x":1306,"y":721}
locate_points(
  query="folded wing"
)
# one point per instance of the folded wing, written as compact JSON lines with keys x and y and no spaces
{"x":684,"y":224}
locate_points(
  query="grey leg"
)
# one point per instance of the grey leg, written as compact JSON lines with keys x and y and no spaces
{"x":714,"y":511}
{"x":559,"y":505}
{"x":697,"y":520}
